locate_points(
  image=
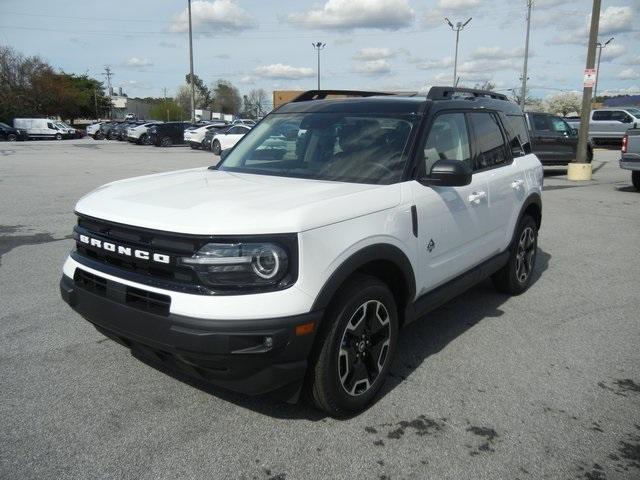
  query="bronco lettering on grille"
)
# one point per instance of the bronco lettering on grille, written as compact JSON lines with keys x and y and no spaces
{"x":125,"y":251}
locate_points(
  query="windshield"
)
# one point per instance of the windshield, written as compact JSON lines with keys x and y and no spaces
{"x":361,"y":148}
{"x":634,"y":111}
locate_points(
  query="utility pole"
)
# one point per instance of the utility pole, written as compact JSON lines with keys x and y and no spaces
{"x":523,"y":96}
{"x":579,"y":169}
{"x":600,"y":47}
{"x":319,"y":46}
{"x":193,"y":87}
{"x":458,"y":27}
{"x":95,"y":101}
{"x":108,"y":74}
{"x":164,"y":92}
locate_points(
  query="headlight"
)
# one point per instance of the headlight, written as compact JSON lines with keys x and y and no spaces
{"x":241,"y":265}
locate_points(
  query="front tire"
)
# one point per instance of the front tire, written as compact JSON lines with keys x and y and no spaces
{"x":355,"y":347}
{"x":166,"y":142}
{"x":515,"y":277}
{"x":12,"y":137}
{"x":58,"y":136}
{"x":142,"y":139}
{"x":635,"y":179}
{"x":216,"y":148}
{"x":194,"y":146}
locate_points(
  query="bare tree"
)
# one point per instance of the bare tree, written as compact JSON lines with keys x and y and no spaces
{"x":256,"y":103}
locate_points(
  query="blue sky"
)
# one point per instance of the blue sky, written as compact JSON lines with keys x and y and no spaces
{"x":381,"y":44}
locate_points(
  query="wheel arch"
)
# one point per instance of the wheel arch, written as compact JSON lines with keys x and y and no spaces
{"x":384,"y":261}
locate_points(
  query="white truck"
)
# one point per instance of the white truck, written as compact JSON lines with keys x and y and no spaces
{"x":296,"y":265}
{"x":41,"y":128}
{"x":610,"y":123}
{"x":630,"y":159}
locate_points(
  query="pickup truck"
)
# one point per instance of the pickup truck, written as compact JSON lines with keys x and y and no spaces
{"x":610,"y":123}
{"x":630,"y":159}
{"x":553,"y":140}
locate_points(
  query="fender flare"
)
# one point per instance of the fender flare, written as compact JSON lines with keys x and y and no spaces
{"x":370,"y":253}
{"x":532,"y":199}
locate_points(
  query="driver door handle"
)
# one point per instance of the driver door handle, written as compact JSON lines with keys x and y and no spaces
{"x":476,"y":197}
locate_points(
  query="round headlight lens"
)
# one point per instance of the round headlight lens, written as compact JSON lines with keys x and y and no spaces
{"x":266,"y":263}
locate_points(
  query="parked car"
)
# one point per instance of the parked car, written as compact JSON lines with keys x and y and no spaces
{"x":40,"y":128}
{"x":120,"y":131}
{"x":130,"y":116}
{"x":273,"y":276}
{"x":138,"y":133}
{"x":106,"y":130}
{"x":610,"y":123}
{"x":11,"y":134}
{"x":553,"y":140}
{"x":244,"y":121}
{"x":208,"y":136}
{"x":69,"y":131}
{"x":630,"y":159}
{"x":93,"y":128}
{"x":167,"y":134}
{"x":228,"y":138}
{"x":195,"y":136}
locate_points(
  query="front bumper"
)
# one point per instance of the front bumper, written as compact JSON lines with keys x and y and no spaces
{"x":233,"y":354}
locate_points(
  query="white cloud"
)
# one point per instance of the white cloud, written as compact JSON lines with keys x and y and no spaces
{"x":491,"y":53}
{"x":457,"y":5}
{"x":435,"y":64}
{"x":374,"y":53}
{"x":135,"y":62}
{"x":628,"y":74}
{"x":284,"y":72}
{"x":247,"y":80}
{"x":435,"y":15}
{"x":612,"y":51}
{"x":373,"y":67}
{"x":351,"y":14}
{"x":615,"y":20}
{"x":634,"y":60}
{"x":211,"y":17}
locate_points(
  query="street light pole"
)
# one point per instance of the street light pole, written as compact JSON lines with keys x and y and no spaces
{"x":579,"y":169}
{"x":457,"y":28}
{"x":193,"y":88}
{"x":523,"y":95}
{"x":319,"y":46}
{"x":600,"y":47}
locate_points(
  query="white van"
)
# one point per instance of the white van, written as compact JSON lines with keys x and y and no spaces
{"x":41,"y":128}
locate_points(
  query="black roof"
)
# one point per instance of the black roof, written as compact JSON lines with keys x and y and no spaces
{"x":444,"y":98}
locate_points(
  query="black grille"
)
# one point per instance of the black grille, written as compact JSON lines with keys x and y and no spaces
{"x":133,"y":297}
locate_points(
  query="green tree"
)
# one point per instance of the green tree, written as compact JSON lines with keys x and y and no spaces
{"x":168,"y":110}
{"x":226,"y":97}
{"x":203,"y":94}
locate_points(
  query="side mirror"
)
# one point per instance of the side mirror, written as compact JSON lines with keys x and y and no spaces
{"x":224,"y":154}
{"x":448,"y":173}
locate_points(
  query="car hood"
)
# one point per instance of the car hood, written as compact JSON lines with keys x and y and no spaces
{"x":214,"y":202}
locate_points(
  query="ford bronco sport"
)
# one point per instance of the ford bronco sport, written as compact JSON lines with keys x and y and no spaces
{"x":293,"y":264}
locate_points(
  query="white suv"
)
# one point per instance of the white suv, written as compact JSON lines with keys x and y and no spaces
{"x":138,"y":133}
{"x":329,"y":226}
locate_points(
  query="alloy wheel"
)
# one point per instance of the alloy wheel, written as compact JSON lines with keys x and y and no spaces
{"x":364,"y":347}
{"x":525,"y":254}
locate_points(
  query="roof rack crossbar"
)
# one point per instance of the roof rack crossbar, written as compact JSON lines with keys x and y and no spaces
{"x":322,"y":94}
{"x":443,"y":93}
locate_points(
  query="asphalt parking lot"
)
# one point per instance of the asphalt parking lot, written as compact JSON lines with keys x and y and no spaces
{"x":545,"y":385}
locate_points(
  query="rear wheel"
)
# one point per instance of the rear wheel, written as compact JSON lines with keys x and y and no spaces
{"x":635,"y":179}
{"x":354,"y":347}
{"x":217,"y":149}
{"x":166,"y":142}
{"x":515,"y":277}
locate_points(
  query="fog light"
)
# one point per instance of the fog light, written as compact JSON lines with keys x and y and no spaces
{"x":268,"y":342}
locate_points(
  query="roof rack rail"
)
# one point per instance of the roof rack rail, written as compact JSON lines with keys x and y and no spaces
{"x":444,"y":93}
{"x":322,"y":94}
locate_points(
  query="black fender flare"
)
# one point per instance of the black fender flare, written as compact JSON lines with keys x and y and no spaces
{"x":370,"y":253}
{"x":532,"y":199}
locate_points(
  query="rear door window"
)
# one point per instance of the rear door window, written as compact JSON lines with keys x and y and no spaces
{"x":489,"y":141}
{"x":620,"y":116}
{"x":519,"y":134}
{"x":540,"y":123}
{"x":602,"y":116}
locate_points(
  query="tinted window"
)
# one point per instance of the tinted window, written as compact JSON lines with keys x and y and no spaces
{"x":540,"y":122}
{"x":559,"y":125}
{"x":50,"y":125}
{"x":601,"y":115}
{"x":620,"y":116}
{"x":519,"y":134}
{"x":489,"y":140}
{"x":448,"y":139}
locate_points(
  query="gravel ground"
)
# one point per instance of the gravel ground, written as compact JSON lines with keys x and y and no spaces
{"x":545,"y":385}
